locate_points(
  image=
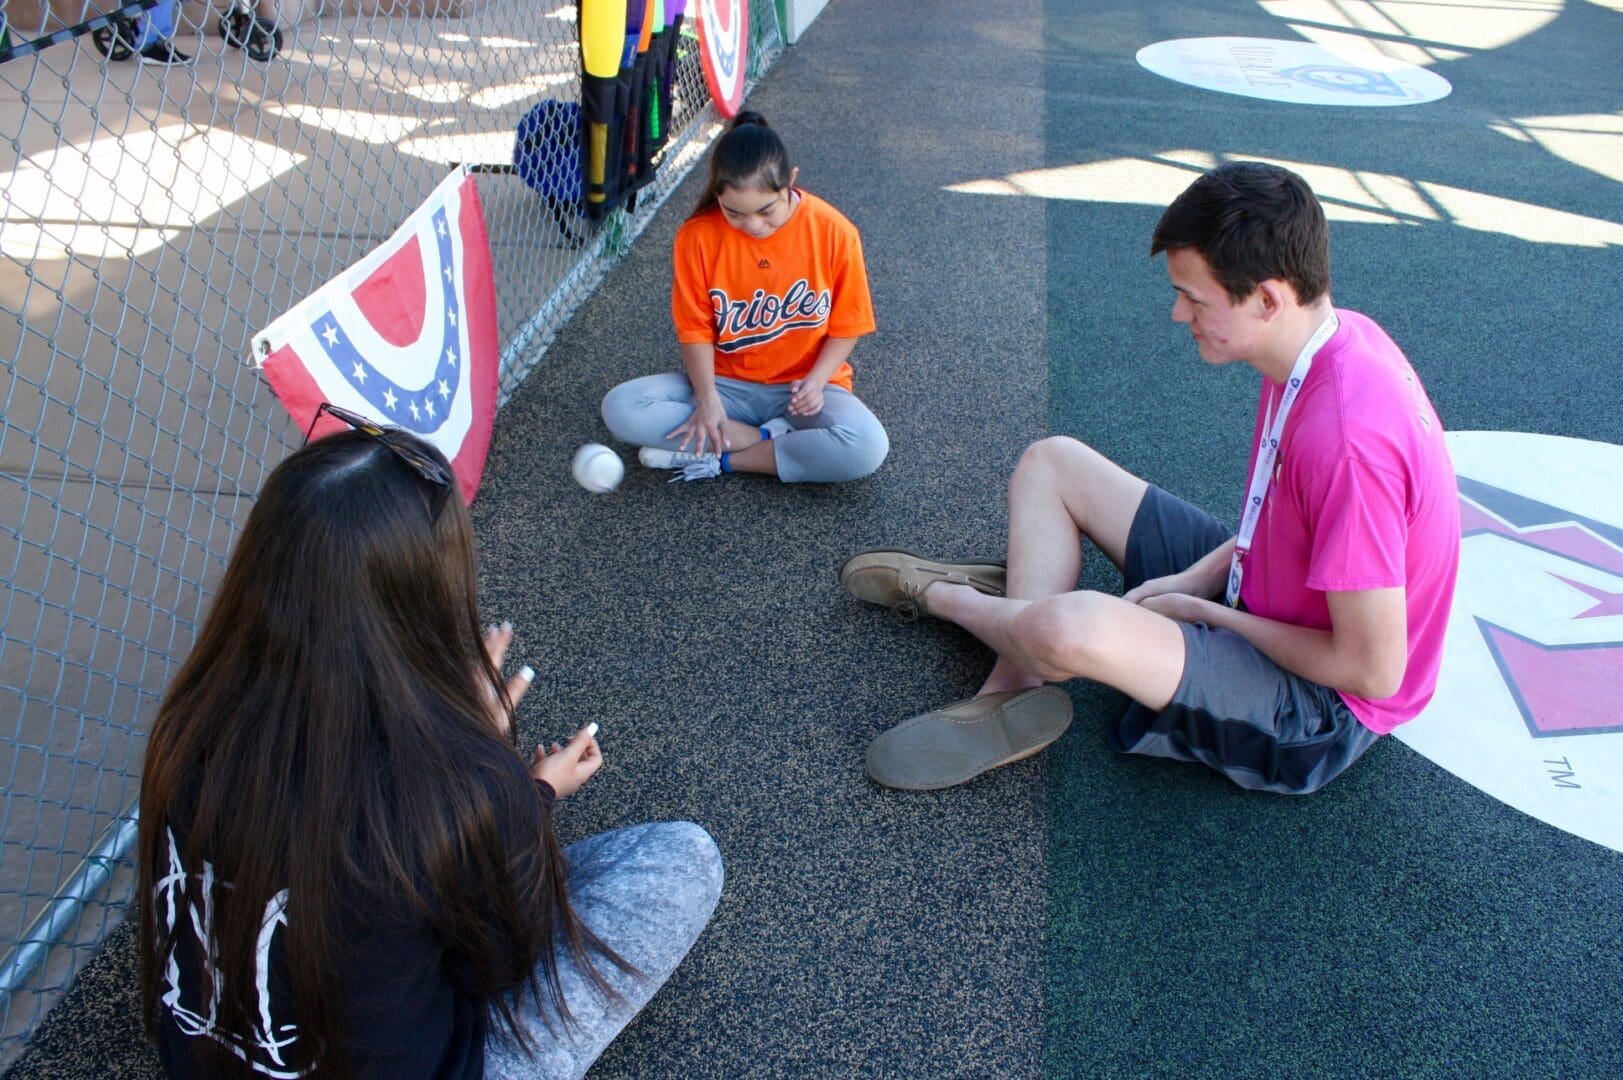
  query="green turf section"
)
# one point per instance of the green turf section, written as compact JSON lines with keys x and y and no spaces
{"x":1396,"y":923}
{"x":1400,"y":922}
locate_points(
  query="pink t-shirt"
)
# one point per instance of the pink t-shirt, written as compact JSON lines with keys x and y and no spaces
{"x":1363,"y":497}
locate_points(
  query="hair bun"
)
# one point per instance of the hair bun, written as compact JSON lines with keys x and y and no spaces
{"x":749,"y":118}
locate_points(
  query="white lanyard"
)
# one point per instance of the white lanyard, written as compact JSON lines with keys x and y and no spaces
{"x":1262,"y":473}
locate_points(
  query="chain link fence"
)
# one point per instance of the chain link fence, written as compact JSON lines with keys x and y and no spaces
{"x":154,"y":214}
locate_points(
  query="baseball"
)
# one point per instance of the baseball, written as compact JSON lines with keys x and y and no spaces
{"x":598,"y":469}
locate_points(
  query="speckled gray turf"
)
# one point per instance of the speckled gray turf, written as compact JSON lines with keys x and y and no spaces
{"x":861,"y":931}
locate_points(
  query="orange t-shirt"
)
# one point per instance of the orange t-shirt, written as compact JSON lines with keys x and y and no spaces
{"x":768,"y":305}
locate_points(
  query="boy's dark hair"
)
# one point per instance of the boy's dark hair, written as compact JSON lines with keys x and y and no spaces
{"x":1251,"y":222}
{"x":748,"y":154}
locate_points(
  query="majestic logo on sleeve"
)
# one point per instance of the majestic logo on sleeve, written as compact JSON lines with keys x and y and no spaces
{"x":1526,"y":702}
{"x":764,"y":317}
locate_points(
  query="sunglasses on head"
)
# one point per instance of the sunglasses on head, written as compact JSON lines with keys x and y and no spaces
{"x":427,"y":469}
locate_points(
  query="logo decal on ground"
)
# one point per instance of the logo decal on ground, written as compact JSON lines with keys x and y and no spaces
{"x":1293,"y":71}
{"x":1527,"y":706}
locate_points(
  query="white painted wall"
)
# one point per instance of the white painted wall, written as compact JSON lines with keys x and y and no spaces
{"x":801,"y":13}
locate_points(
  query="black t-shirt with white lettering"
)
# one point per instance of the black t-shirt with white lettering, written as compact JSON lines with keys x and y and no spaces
{"x":406,"y":1015}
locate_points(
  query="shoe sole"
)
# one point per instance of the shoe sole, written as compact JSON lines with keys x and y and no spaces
{"x":940,"y":750}
{"x":985,"y":575}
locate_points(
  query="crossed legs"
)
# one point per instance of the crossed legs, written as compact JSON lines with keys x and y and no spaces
{"x":1043,"y":629}
{"x":1239,"y":712}
{"x":845,"y":441}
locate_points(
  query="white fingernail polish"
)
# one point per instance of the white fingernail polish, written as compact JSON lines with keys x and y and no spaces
{"x":507,"y":626}
{"x":527,"y":673}
{"x":591,"y":730}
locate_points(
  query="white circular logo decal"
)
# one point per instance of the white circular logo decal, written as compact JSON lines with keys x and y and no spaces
{"x":1529,"y":703}
{"x":1294,"y":71}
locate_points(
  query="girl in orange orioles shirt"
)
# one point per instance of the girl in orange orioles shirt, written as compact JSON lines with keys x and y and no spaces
{"x":770,"y":296}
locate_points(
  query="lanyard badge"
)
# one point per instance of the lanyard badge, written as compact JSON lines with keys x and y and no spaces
{"x":1262,"y":472}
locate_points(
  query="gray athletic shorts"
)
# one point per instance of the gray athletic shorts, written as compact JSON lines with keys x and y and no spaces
{"x":1235,"y":710}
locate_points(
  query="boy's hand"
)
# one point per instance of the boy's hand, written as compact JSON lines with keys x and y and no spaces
{"x":1179,"y":606}
{"x":1155,"y":586}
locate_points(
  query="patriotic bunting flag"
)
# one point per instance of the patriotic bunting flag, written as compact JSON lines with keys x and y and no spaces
{"x":407,"y":336}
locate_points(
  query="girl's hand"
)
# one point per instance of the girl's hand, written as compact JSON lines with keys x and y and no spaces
{"x":806,"y":397}
{"x":704,"y":427}
{"x":497,"y":641}
{"x":567,"y":768}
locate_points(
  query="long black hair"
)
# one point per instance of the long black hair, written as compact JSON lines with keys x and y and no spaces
{"x":749,"y":154}
{"x":322,"y":737}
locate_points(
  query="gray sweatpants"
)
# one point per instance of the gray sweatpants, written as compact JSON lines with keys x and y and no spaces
{"x":843,"y":442}
{"x":647,"y":891}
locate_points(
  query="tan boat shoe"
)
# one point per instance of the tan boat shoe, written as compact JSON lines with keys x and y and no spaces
{"x":897,"y":579}
{"x":960,"y":741}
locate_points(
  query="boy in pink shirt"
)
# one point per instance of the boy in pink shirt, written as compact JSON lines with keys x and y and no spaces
{"x":1276,"y":656}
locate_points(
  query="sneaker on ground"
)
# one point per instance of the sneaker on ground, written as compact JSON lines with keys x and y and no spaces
{"x":779,"y":426}
{"x":164,"y":54}
{"x":656,"y":458}
{"x":703,"y":469}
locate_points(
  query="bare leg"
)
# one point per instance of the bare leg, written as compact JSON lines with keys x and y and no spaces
{"x":739,"y":435}
{"x":1076,"y":634}
{"x":757,"y":457}
{"x":750,"y":453}
{"x":1061,"y":490}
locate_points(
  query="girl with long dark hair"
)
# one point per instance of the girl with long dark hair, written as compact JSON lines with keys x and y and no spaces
{"x":770,"y":295}
{"x":346,"y":868}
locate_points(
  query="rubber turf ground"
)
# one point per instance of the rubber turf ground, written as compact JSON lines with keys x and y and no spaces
{"x":1080,"y":914}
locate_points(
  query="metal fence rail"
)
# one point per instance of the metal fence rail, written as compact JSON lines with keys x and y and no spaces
{"x":152,"y":218}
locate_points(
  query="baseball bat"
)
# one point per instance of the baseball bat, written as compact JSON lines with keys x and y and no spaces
{"x":635,"y":10}
{"x":647,"y":25}
{"x":650,"y":88}
{"x":602,"y":25}
{"x":667,"y":71}
{"x":632,"y":88}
